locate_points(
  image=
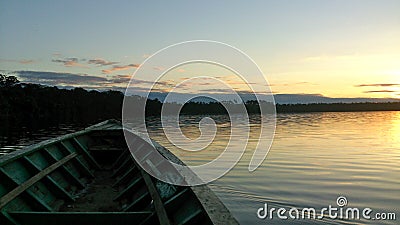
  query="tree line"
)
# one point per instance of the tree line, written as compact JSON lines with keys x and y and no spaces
{"x":29,"y":104}
{"x":26,"y":103}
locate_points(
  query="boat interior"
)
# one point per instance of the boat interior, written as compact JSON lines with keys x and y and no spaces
{"x":90,"y":177}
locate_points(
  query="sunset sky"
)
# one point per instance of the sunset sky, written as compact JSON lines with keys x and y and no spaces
{"x":334,"y":48}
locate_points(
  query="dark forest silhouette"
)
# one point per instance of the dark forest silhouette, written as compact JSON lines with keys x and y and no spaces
{"x":22,"y":103}
{"x":25,"y":103}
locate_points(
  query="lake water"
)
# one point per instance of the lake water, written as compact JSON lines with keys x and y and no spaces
{"x":15,"y":138}
{"x":315,"y":157}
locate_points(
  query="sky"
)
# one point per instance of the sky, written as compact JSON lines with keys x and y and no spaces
{"x":336,"y":48}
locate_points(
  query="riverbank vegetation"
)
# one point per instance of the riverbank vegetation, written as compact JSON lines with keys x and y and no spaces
{"x":25,"y":103}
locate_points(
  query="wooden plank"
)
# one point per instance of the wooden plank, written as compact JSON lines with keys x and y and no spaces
{"x":127,"y":189}
{"x":4,"y":159}
{"x":214,"y":207}
{"x":29,"y":192}
{"x":158,"y":204}
{"x":120,"y":158}
{"x":92,"y":160}
{"x":83,"y":163}
{"x":57,"y":185}
{"x":79,"y":162}
{"x":192,"y":216}
{"x":128,"y":160}
{"x":176,"y":196}
{"x":66,"y":172}
{"x":123,"y":177}
{"x":80,"y":218}
{"x":104,"y":148}
{"x":8,"y":220}
{"x":137,"y":200}
{"x":21,"y":188}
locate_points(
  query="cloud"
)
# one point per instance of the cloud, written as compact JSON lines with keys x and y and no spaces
{"x":70,"y":62}
{"x":26,"y":61}
{"x":376,"y":85}
{"x":121,"y":79}
{"x":161,"y":68}
{"x":66,"y":80}
{"x":57,"y":78}
{"x":22,"y":61}
{"x":292,"y":84}
{"x":380,"y":91}
{"x":119,"y":68}
{"x":219,"y":91}
{"x":158,"y":68}
{"x":101,"y":62}
{"x":163,"y":83}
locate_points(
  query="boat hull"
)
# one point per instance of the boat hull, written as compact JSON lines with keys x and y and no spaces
{"x":90,"y":177}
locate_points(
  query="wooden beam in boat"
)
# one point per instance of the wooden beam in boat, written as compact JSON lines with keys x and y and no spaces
{"x":83,"y":218}
{"x":158,"y":204}
{"x":21,"y":188}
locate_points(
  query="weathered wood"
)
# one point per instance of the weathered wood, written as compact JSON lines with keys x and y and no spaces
{"x":106,"y":125}
{"x":55,"y":184}
{"x":87,"y":154}
{"x":200,"y":206}
{"x":158,"y":204}
{"x":81,"y":218}
{"x":21,"y":188}
{"x":215,"y":209}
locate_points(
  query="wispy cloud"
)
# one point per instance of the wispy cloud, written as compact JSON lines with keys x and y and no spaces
{"x":62,"y":79}
{"x":22,"y":61}
{"x":27,"y":61}
{"x":225,"y":91}
{"x":101,"y":62}
{"x":376,"y":85}
{"x":380,"y":91}
{"x":120,"y":67}
{"x":57,"y":78}
{"x":69,"y":62}
{"x":158,"y":68}
{"x":292,"y":84}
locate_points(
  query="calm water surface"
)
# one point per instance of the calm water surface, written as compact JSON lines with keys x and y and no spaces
{"x":15,"y":138}
{"x":315,"y":157}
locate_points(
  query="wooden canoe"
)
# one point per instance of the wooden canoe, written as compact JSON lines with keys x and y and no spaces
{"x":90,"y":177}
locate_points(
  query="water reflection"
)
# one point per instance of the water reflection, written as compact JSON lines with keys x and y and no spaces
{"x":17,"y":137}
{"x":315,"y":157}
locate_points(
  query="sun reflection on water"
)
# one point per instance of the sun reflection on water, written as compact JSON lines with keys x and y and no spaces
{"x":394,"y":130}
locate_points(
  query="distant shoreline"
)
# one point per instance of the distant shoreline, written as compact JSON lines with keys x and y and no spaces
{"x":337,"y":107}
{"x":24,"y":103}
